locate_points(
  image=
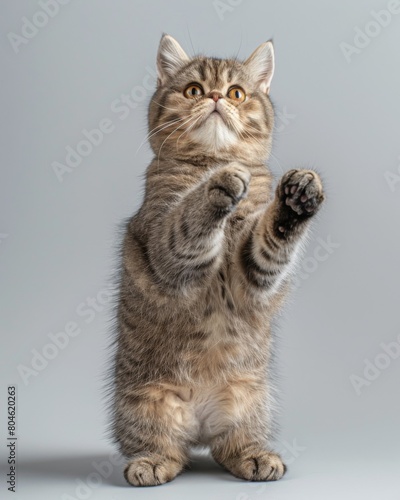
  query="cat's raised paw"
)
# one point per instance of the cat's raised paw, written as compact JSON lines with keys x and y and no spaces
{"x":151,"y":470}
{"x":301,"y":191}
{"x":228,"y":185}
{"x":259,"y":466}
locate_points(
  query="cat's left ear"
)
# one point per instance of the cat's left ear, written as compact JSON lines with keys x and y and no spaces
{"x":170,"y":58}
{"x":261,"y":64}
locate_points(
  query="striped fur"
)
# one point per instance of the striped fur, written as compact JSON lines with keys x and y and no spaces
{"x":206,"y":265}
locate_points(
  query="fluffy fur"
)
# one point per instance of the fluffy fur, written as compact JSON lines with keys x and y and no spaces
{"x":206,"y":266}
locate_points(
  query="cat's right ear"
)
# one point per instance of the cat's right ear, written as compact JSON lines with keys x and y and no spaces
{"x":170,"y":58}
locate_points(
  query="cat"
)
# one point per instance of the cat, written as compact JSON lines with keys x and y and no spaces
{"x":206,"y":265}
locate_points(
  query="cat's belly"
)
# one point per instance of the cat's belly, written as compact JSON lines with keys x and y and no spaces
{"x":207,"y":411}
{"x":219,"y":379}
{"x":218,"y":383}
{"x":217,"y":408}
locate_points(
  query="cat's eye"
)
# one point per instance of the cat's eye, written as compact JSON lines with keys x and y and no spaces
{"x":236,"y":94}
{"x":193,"y":90}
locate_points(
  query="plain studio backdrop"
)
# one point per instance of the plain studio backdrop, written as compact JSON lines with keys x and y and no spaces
{"x":76,"y":81}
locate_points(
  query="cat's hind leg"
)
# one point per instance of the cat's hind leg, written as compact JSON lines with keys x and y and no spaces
{"x":153,"y":429}
{"x":242,"y":455}
{"x":242,"y":445}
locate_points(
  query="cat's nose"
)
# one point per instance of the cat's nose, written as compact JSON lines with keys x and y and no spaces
{"x":215,"y":96}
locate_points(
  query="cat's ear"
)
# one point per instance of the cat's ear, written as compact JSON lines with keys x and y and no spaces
{"x":261,"y":64}
{"x":170,"y":58}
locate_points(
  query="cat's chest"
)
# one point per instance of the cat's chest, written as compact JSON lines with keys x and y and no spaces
{"x":220,"y":349}
{"x":218,"y":327}
{"x":223,"y":342}
{"x":224,"y":319}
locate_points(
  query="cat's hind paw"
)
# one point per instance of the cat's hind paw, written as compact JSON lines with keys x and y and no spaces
{"x":151,"y":470}
{"x":258,"y":466}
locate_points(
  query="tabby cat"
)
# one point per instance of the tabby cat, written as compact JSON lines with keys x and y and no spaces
{"x":207,"y":262}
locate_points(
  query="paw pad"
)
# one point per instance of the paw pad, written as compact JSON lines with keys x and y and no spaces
{"x":302,"y":192}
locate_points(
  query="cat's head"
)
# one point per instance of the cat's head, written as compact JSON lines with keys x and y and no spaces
{"x":212,"y":107}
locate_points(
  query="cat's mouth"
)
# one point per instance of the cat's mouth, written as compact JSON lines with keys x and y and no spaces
{"x":215,"y":112}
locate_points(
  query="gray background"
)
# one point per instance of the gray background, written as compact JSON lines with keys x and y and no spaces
{"x":58,"y":239}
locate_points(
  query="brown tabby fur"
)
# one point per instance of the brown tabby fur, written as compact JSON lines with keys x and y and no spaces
{"x":207,"y":262}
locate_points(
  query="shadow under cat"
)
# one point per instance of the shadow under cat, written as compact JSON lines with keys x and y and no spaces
{"x":97,"y":469}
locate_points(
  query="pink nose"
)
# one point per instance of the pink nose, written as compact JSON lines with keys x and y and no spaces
{"x":214,"y":96}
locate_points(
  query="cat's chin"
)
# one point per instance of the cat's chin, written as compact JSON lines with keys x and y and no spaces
{"x":215,"y":134}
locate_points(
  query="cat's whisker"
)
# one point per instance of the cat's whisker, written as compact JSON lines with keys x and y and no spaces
{"x":150,"y":134}
{"x":177,"y":128}
{"x":274,"y":157}
{"x":188,"y":129}
{"x":162,"y":105}
{"x":162,"y":124}
{"x":190,"y":38}
{"x":154,"y":132}
{"x":251,"y":135}
{"x":261,"y":145}
{"x":271,"y":154}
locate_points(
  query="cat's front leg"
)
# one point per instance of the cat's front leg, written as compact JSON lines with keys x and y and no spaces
{"x":270,"y":245}
{"x":226,"y":187}
{"x":186,"y":244}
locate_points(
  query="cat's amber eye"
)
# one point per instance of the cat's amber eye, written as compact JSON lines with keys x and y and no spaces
{"x":193,"y":90}
{"x":236,"y":94}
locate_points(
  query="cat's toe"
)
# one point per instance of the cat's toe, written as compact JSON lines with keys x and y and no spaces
{"x":301,"y":190}
{"x":259,"y":466}
{"x":151,"y":471}
{"x":228,"y":186}
{"x":269,"y":467}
